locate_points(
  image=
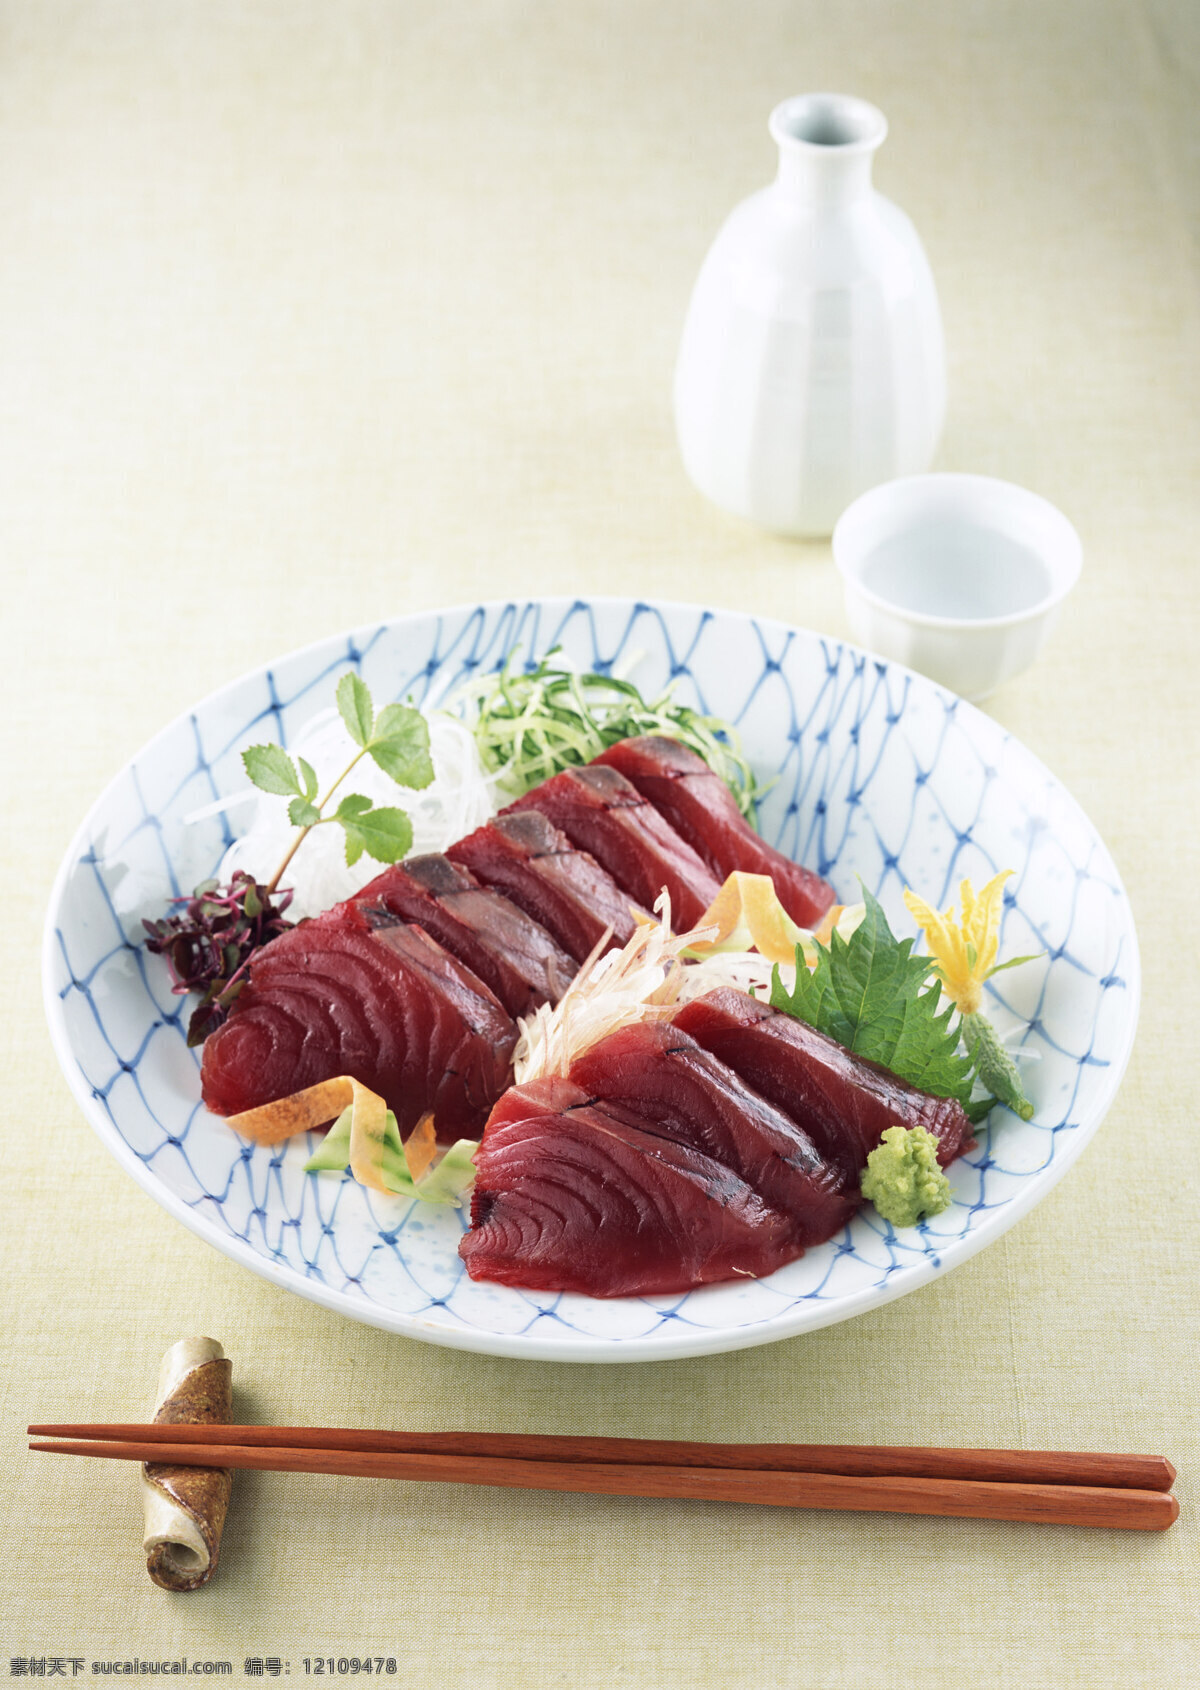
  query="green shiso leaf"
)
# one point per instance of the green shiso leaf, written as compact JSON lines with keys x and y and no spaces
{"x":872,"y":995}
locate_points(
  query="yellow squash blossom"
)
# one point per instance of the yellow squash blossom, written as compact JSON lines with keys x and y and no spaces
{"x":964,"y":951}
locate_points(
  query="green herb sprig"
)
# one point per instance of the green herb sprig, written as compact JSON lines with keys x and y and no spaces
{"x":531,"y":724}
{"x":397,"y":739}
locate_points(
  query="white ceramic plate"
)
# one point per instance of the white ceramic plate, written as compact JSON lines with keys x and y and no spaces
{"x":879,"y":774}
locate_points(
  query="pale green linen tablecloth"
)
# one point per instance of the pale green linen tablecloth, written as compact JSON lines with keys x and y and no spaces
{"x":310,"y":315}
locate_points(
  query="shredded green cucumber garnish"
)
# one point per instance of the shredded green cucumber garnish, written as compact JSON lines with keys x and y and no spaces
{"x":530,"y":723}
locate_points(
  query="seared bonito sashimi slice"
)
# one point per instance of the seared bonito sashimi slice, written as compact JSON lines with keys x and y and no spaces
{"x":601,"y":812}
{"x":575,"y":1196}
{"x":702,"y":810}
{"x":677,"y":1089}
{"x":842,"y":1101}
{"x":564,"y":889}
{"x":509,"y":951}
{"x":388,"y":1007}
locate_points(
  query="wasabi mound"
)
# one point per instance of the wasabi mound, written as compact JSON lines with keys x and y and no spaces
{"x":903,"y":1179}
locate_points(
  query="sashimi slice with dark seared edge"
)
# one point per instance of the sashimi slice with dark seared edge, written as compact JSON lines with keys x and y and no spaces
{"x":702,"y":810}
{"x":553,"y":1094}
{"x":520,"y":961}
{"x":565,"y":890}
{"x":842,"y":1101}
{"x":575,"y":1196}
{"x":600,"y":812}
{"x":660,"y":1075}
{"x":389,"y":1007}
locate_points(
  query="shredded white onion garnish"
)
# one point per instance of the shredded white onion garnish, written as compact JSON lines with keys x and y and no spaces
{"x":640,"y":982}
{"x":745,"y":970}
{"x":460,"y":798}
{"x":647,"y":980}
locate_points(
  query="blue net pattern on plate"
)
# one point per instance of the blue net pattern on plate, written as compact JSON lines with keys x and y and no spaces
{"x":878,"y":775}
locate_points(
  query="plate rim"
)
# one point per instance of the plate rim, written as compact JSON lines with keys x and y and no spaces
{"x":656,"y":1346}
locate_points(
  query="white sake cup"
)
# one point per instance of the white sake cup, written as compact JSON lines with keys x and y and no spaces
{"x":959,"y":576}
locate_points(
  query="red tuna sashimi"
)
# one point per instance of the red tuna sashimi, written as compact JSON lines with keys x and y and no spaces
{"x":674,"y":1087}
{"x":517,"y":958}
{"x":573,"y":1196}
{"x":601,"y":812}
{"x":389,"y":1007}
{"x":565,"y":890}
{"x":702,"y":810}
{"x":551,"y":1095}
{"x":841,"y":1100}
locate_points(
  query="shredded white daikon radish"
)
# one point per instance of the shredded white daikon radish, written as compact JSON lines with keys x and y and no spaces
{"x":460,"y":798}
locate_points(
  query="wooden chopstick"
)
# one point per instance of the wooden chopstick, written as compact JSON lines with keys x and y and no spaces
{"x":1000,"y":1466}
{"x":1049,"y":1504}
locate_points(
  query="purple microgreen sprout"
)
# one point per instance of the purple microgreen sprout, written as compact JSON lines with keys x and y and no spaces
{"x":209,"y":945}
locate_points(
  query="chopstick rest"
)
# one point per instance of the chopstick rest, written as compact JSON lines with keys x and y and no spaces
{"x":184,"y":1505}
{"x":1129,"y":1492}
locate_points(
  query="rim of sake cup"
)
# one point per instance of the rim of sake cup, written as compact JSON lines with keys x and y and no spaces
{"x":948,"y":492}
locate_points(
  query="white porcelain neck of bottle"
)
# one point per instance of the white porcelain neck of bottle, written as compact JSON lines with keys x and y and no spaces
{"x":826,"y":145}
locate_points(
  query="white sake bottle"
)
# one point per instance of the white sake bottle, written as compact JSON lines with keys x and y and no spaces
{"x":812,"y":365}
